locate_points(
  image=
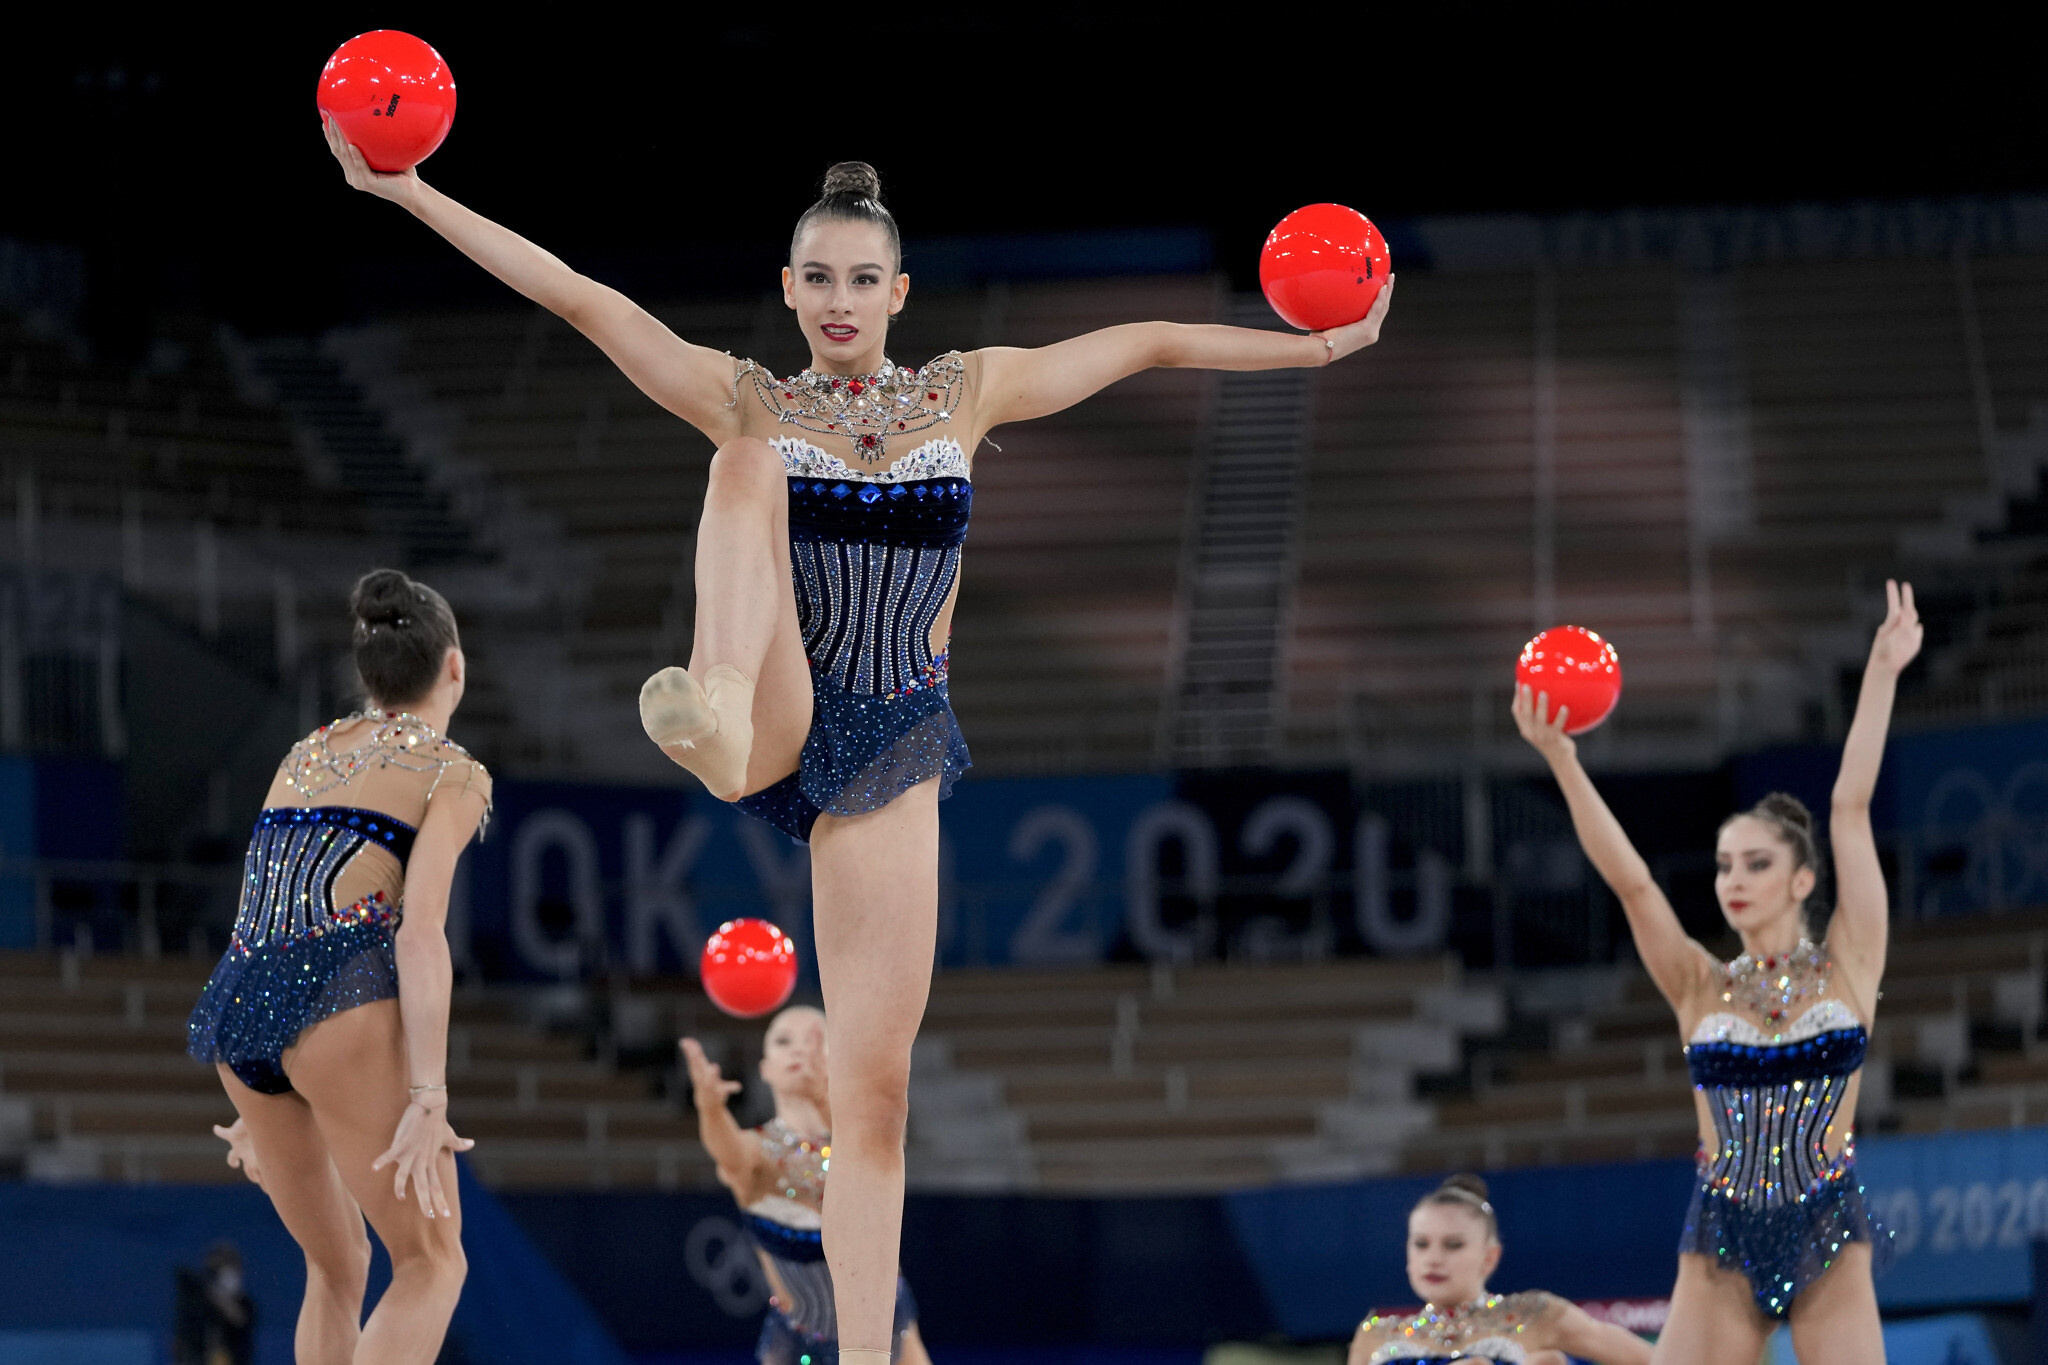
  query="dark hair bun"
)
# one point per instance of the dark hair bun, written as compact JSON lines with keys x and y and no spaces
{"x":384,"y":597}
{"x":1790,"y":809}
{"x":852,"y":180}
{"x":403,"y":633}
{"x":1466,"y":1183}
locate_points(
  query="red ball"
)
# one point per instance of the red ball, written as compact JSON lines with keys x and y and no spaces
{"x":749,"y":967}
{"x":391,"y":94}
{"x":1323,"y":266}
{"x":1579,"y":670}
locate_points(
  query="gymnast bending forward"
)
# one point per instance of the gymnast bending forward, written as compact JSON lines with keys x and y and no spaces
{"x":827,"y":563}
{"x":1779,"y":1227}
{"x":1453,"y":1247}
{"x":327,"y":1017}
{"x":778,"y":1173}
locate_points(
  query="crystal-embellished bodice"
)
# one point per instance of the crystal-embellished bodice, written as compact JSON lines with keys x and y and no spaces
{"x":1775,"y":1098}
{"x":874,"y":555}
{"x":787,"y":1222}
{"x":296,"y":856}
{"x":1493,"y":1328}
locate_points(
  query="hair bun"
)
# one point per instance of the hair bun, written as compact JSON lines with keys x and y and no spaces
{"x":1789,"y":809}
{"x":1466,"y":1183}
{"x":384,"y":597}
{"x":852,"y":180}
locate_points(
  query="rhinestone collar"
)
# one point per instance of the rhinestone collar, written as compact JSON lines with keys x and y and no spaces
{"x":864,"y":409}
{"x":1777,"y":986}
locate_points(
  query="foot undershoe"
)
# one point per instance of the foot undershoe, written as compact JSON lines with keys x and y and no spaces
{"x":706,"y":727}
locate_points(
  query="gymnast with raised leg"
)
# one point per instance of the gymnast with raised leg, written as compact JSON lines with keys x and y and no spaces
{"x":827,"y":563}
{"x":778,"y":1173}
{"x":1453,"y":1246}
{"x":1779,"y":1226}
{"x":327,"y":1017}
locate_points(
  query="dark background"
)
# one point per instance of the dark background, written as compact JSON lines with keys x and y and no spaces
{"x":672,"y":150}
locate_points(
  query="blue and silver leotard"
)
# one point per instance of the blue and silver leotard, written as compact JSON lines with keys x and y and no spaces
{"x":1771,"y":1202}
{"x":802,"y":1327}
{"x":874,"y":556}
{"x":322,"y":892}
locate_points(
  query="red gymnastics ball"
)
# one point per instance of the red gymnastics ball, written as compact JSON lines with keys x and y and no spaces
{"x":392,"y":96}
{"x":749,"y":967}
{"x":1323,"y":266}
{"x":1579,"y":670}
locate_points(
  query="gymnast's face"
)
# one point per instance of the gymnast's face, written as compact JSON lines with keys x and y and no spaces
{"x":1451,"y":1251}
{"x":793,"y":1054}
{"x":844,"y":285}
{"x":1754,"y":877}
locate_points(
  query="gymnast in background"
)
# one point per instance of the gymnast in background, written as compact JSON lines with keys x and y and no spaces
{"x":1453,"y":1246}
{"x":777,"y":1173}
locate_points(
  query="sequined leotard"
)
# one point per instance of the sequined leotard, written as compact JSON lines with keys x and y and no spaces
{"x":802,"y":1327}
{"x":322,"y":893}
{"x":1771,"y":1201}
{"x":1493,"y":1328}
{"x":874,"y":558}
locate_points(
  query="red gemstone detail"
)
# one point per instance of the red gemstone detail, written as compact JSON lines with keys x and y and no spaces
{"x":902,"y":427}
{"x":835,"y":383}
{"x":854,"y":387}
{"x":933,"y":397}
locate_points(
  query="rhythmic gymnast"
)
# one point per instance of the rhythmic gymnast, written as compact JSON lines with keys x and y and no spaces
{"x":1779,"y":1227}
{"x":327,"y":1017}
{"x":1453,"y":1246}
{"x":778,"y":1173}
{"x":827,"y":563}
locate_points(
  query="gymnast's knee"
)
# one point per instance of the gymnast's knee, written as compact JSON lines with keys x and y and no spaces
{"x":746,"y":465}
{"x":437,"y":1262}
{"x":344,"y":1271}
{"x":879,"y":1109}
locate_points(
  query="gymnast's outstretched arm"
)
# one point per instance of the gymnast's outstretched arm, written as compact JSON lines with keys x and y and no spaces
{"x":1680,"y":967}
{"x":693,"y":382}
{"x":1019,"y":384}
{"x":742,"y":1165}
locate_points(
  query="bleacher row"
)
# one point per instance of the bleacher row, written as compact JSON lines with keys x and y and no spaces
{"x":1117,"y":1079}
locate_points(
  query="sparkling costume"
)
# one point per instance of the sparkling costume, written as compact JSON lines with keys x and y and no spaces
{"x":1491,"y":1328}
{"x":802,"y":1327}
{"x":322,"y":895}
{"x":874,"y":557}
{"x":1771,"y":1202}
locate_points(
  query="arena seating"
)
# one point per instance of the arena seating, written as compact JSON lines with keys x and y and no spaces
{"x":1417,"y":557}
{"x":95,"y":1084}
{"x":1115,"y":1079}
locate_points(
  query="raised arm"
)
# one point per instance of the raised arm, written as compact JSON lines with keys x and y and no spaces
{"x":693,"y":382}
{"x":425,"y":979}
{"x":1858,"y":933}
{"x":1678,"y":965}
{"x":742,"y":1165}
{"x":1019,"y":384}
